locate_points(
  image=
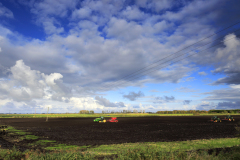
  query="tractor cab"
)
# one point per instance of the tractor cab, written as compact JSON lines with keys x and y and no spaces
{"x":101,"y":119}
{"x":228,"y":116}
{"x":214,"y":117}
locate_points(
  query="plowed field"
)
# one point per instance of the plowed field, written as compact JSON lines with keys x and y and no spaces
{"x":83,"y":131}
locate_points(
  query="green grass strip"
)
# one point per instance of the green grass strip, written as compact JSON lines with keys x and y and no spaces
{"x":168,"y":146}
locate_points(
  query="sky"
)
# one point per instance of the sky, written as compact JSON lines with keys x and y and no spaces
{"x":152,"y":55}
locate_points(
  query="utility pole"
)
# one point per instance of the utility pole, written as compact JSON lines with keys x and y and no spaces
{"x":47,"y":115}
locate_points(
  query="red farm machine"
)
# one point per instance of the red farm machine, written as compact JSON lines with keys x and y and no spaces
{"x":112,"y":119}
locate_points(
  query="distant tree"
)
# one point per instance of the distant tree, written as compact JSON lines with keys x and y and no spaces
{"x":135,"y":111}
{"x":129,"y":111}
{"x":84,"y":112}
{"x":91,"y":111}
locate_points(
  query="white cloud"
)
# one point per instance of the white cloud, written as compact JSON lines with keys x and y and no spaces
{"x":229,"y":55}
{"x":161,"y":26}
{"x":46,"y":13}
{"x":81,"y":13}
{"x":120,"y":28}
{"x":202,"y":73}
{"x":205,"y":105}
{"x":231,"y":94}
{"x":156,"y":5}
{"x":235,"y":86}
{"x":48,"y":107}
{"x":52,"y":7}
{"x":51,"y":78}
{"x":49,"y":25}
{"x":5,"y":12}
{"x":26,"y":84}
{"x":133,"y":13}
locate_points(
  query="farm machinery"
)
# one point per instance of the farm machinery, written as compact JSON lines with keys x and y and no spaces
{"x":215,"y":119}
{"x":103,"y":120}
{"x":100,"y":120}
{"x":113,"y":119}
{"x":228,"y":118}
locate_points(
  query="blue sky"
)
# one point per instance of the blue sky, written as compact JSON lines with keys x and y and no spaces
{"x":71,"y":55}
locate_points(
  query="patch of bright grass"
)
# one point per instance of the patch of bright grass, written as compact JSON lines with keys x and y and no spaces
{"x":28,"y":137}
{"x":63,"y":147}
{"x":12,"y":130}
{"x":169,"y":146}
{"x":42,"y":142}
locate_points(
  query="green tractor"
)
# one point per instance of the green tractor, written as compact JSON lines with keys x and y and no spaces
{"x":100,"y":120}
{"x":228,"y":118}
{"x":216,"y":119}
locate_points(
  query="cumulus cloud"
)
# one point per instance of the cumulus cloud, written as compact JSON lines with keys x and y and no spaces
{"x":50,"y":25}
{"x":133,"y":13}
{"x":81,"y":13}
{"x":132,"y":96}
{"x":226,"y":60}
{"x":126,"y":31}
{"x":47,"y":12}
{"x":25,"y":84}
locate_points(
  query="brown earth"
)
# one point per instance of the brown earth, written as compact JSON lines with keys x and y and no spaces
{"x":83,"y":131}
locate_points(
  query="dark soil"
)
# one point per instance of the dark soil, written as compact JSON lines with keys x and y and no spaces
{"x":83,"y":131}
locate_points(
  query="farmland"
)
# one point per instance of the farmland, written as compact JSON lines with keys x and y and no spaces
{"x":36,"y":133}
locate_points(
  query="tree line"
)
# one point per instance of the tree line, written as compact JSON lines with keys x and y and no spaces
{"x":164,"y":112}
{"x":111,"y":112}
{"x":198,"y":111}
